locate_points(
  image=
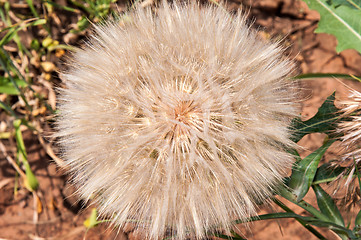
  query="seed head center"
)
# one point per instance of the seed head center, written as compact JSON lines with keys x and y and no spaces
{"x":184,"y":112}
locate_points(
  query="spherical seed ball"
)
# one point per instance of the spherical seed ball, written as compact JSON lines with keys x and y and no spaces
{"x":176,"y":120}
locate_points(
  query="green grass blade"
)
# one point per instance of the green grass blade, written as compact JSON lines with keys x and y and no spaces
{"x":67,"y":8}
{"x":4,"y":61}
{"x":327,"y":75}
{"x":7,"y":108}
{"x":31,"y":181}
{"x":32,"y":8}
{"x":19,"y":26}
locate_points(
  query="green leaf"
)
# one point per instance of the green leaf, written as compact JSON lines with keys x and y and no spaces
{"x":70,"y":9}
{"x":356,"y":4}
{"x":7,"y":64}
{"x":286,"y":193}
{"x":329,"y":209}
{"x":344,"y":233}
{"x":327,"y":75}
{"x":83,"y":23}
{"x":7,"y":108}
{"x":327,"y":206}
{"x":35,"y":44}
{"x":14,"y":29}
{"x":320,"y":220}
{"x":327,"y":173}
{"x":6,"y":86}
{"x":343,"y":22}
{"x":273,"y":216}
{"x":304,"y":171}
{"x":31,"y":183}
{"x":309,"y":220}
{"x":323,"y":122}
{"x":32,"y":8}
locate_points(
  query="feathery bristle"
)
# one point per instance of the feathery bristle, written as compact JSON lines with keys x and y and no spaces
{"x":351,"y":131}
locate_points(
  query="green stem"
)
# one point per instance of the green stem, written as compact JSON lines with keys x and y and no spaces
{"x":285,"y":193}
{"x":32,"y":8}
{"x":304,"y":223}
{"x":327,"y":75}
{"x":3,"y":64}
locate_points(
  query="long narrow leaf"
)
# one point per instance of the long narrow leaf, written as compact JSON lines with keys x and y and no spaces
{"x":327,"y":173}
{"x":222,"y":236}
{"x":290,"y":196}
{"x":4,"y":60}
{"x":32,"y":8}
{"x":327,"y":75}
{"x":304,"y":171}
{"x":7,"y":108}
{"x":310,"y":220}
{"x":31,"y":181}
{"x":343,"y":232}
{"x":13,"y":30}
{"x":327,"y":206}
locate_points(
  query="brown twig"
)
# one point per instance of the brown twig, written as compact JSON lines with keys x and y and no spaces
{"x":50,"y":152}
{"x":11,"y":161}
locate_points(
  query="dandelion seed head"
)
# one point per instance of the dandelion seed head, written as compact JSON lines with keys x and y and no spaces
{"x":350,"y":130}
{"x":177,"y":120}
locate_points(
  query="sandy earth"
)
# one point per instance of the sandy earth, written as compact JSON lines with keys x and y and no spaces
{"x":61,"y":217}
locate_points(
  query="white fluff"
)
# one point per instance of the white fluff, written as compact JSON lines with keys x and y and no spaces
{"x":351,"y":131}
{"x":177,"y":120}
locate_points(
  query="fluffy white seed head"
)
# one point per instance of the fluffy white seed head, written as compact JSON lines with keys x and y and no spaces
{"x":176,"y":120}
{"x":351,"y":131}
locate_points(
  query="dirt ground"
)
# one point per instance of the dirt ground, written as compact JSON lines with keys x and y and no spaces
{"x":58,"y":214}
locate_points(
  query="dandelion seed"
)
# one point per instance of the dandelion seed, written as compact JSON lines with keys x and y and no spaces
{"x":177,"y":121}
{"x":351,"y":142}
